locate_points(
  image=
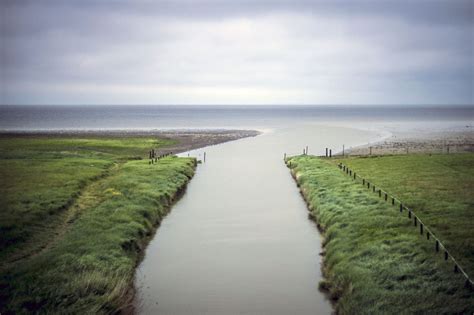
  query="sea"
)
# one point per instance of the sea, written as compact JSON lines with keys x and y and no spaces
{"x":146,"y":117}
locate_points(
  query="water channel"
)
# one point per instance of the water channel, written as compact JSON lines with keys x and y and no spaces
{"x":240,"y":240}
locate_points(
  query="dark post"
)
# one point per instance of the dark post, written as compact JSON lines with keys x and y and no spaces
{"x":427,"y":235}
{"x":414,"y":220}
{"x":467,"y":285}
{"x":380,"y":193}
{"x":437,"y":246}
{"x":421,"y":228}
{"x":326,"y":152}
{"x":368,"y":185}
{"x":373,"y":188}
{"x":330,"y":152}
{"x":445,"y":255}
{"x":456,"y":270}
{"x":355,"y":175}
{"x":370,"y":152}
{"x":393,"y":201}
{"x":401,"y":208}
{"x":204,"y":157}
{"x":409,"y":214}
{"x":363,"y":181}
{"x":386,"y":196}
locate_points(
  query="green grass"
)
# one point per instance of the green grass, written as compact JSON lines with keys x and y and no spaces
{"x":375,"y":261}
{"x":41,"y":176}
{"x":438,"y":188}
{"x":75,"y":214}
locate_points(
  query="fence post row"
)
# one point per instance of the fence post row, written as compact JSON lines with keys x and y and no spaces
{"x":469,"y":284}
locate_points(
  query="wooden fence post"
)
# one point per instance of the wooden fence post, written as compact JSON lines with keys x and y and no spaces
{"x":401,"y":208}
{"x":445,"y":254}
{"x":326,"y":152}
{"x":437,"y":246}
{"x":427,"y":235}
{"x":386,"y":197}
{"x":414,"y":220}
{"x":421,"y":228}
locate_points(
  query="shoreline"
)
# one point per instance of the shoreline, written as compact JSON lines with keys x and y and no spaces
{"x":186,"y":139}
{"x":418,"y":141}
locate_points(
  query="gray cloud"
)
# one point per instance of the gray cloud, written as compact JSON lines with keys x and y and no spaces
{"x":237,"y":52}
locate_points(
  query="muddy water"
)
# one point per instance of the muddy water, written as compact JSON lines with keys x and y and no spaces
{"x":240,"y":241}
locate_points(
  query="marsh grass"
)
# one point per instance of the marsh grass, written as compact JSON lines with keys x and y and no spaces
{"x":438,"y":188}
{"x":112,"y":203}
{"x":42,"y":176}
{"x":374,"y":260}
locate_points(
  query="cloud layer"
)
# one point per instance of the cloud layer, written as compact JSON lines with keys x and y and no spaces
{"x":237,"y":52}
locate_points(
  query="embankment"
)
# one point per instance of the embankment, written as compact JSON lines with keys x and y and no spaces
{"x":90,"y":268}
{"x":374,"y":261}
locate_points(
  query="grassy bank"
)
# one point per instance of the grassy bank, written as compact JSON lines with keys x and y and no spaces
{"x":75,"y":215}
{"x":374,"y":260}
{"x":439,"y":189}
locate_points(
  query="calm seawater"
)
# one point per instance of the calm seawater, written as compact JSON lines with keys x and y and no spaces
{"x":169,"y":117}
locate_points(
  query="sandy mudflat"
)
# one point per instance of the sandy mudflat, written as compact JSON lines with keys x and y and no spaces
{"x":421,"y":141}
{"x":187,"y":139}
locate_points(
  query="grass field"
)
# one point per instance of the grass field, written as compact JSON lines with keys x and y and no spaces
{"x":375,"y":261}
{"x":438,"y":188}
{"x":74,"y":216}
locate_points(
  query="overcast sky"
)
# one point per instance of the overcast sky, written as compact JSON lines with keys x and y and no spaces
{"x":237,"y":52}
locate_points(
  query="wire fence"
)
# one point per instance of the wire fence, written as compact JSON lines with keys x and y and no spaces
{"x":401,"y":148}
{"x":153,"y":157}
{"x":417,"y":222}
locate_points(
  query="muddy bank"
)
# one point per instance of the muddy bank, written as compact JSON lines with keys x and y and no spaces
{"x":436,"y":142}
{"x":186,"y":140}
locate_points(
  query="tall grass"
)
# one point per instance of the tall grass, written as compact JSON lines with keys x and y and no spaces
{"x":88,"y":265}
{"x":439,"y":188}
{"x":90,"y":269}
{"x":374,"y":260}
